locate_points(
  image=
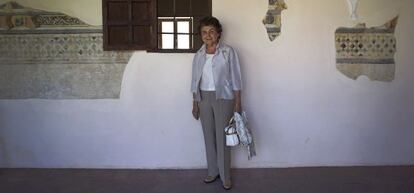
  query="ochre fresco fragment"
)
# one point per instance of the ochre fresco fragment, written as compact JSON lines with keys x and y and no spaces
{"x":353,"y":4}
{"x":367,"y":51}
{"x":272,"y":20}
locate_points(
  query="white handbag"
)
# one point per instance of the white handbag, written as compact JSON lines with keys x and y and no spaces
{"x":232,"y":139}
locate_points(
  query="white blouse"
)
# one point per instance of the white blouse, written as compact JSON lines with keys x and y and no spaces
{"x":207,"y":80}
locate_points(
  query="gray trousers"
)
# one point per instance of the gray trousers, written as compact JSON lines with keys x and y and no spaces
{"x":215,"y":115}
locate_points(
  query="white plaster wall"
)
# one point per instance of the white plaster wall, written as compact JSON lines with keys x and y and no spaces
{"x":303,"y":112}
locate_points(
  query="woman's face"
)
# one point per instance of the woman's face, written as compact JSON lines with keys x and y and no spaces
{"x":209,"y":35}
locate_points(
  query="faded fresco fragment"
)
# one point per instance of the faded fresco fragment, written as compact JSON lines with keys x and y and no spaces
{"x":272,"y":20}
{"x":367,"y":51}
{"x":353,"y":4}
{"x":51,"y":55}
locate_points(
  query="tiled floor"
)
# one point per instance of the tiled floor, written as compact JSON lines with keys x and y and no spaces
{"x":289,"y":180}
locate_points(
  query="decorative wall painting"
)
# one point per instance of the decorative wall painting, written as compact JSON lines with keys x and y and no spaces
{"x":367,"y":51}
{"x":272,"y":20}
{"x":353,"y":5}
{"x":50,"y":55}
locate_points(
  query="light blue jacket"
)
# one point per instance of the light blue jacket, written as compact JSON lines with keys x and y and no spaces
{"x":226,"y":72}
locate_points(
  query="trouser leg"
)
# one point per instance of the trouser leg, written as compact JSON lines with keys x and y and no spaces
{"x":223,"y":111}
{"x":208,"y":125}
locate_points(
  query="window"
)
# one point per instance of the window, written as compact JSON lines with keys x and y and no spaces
{"x":153,"y":25}
{"x":175,"y":33}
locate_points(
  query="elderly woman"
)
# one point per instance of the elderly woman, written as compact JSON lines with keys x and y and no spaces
{"x":216,"y":86}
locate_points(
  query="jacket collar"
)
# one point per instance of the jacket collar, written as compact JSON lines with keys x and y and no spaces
{"x":218,"y":47}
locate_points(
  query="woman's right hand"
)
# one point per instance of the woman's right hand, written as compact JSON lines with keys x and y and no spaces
{"x":196,"y":110}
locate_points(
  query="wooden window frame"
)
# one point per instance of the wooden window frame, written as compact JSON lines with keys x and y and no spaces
{"x":192,"y":33}
{"x":175,"y":32}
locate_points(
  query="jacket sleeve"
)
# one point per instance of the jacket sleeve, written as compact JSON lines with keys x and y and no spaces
{"x":193,"y":75}
{"x":235,"y":71}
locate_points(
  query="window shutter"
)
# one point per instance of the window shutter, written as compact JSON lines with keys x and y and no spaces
{"x":165,"y":8}
{"x":199,"y":9}
{"x":182,"y":8}
{"x":129,"y":24}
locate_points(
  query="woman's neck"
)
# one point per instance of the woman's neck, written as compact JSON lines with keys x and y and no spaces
{"x":211,"y":49}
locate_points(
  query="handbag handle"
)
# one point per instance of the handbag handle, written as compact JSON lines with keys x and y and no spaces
{"x":228,"y":132}
{"x":231,"y":120}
